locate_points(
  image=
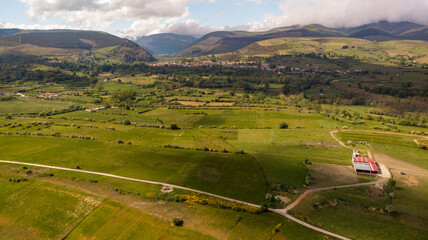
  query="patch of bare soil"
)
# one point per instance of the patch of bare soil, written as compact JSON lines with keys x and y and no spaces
{"x":324,"y":174}
{"x":188,"y":103}
{"x":282,"y":199}
{"x":220,"y":104}
{"x":407,"y":179}
{"x":411,"y":173}
{"x":377,"y":193}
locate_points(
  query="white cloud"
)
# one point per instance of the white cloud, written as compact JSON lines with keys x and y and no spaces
{"x":344,"y":13}
{"x":147,"y":15}
{"x":154,"y":26}
{"x":156,"y":16}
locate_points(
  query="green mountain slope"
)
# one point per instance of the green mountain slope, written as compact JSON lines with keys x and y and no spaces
{"x":165,"y":43}
{"x":70,"y":42}
{"x":366,"y":50}
{"x":394,"y":28}
{"x":224,"y":42}
{"x":416,"y":34}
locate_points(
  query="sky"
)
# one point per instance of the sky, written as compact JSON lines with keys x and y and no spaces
{"x":134,"y":18}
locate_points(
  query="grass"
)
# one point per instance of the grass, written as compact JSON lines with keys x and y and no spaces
{"x":112,"y":217}
{"x":271,"y":156}
{"x":397,"y":146}
{"x":113,"y":86}
{"x":24,"y":105}
{"x":366,"y":224}
{"x":36,"y":209}
{"x":113,"y":220}
{"x":224,"y":174}
{"x":368,"y":51}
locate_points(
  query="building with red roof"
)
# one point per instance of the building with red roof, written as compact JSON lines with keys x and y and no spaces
{"x":365,"y":165}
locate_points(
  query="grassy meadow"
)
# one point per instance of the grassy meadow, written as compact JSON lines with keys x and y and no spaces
{"x":72,"y":207}
{"x":368,"y":51}
{"x":224,"y":140}
{"x":336,"y":209}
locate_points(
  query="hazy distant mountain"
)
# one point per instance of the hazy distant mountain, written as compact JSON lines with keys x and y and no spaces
{"x":394,"y":28}
{"x":70,"y":42}
{"x":166,"y":43}
{"x":383,"y":31}
{"x":374,"y":33}
{"x":223,"y":42}
{"x":8,"y":32}
{"x":416,"y":34}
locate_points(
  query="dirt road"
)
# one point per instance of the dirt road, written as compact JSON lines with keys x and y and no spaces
{"x":282,"y":212}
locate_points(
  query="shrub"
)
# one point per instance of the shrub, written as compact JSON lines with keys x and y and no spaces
{"x":422,"y":146}
{"x":177,"y":221}
{"x":276,"y":228}
{"x":174,"y":126}
{"x":126,"y":122}
{"x":264,"y":207}
{"x":283,"y":125}
{"x":392,"y":182}
{"x":390,"y":209}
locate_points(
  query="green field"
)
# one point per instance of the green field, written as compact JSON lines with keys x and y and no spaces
{"x":24,"y":105}
{"x":355,"y":206}
{"x":368,"y":51}
{"x":57,"y":207}
{"x":258,"y":133}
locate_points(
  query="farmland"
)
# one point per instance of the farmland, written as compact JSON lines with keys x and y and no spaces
{"x":245,"y":134}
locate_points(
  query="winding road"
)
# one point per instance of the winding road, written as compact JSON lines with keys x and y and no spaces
{"x":282,"y":212}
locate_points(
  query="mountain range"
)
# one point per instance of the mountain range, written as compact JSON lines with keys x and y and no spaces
{"x":230,"y":41}
{"x":103,"y":46}
{"x":71,"y":43}
{"x":166,"y":43}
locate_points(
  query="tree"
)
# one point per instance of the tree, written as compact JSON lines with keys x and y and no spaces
{"x":174,"y":127}
{"x":126,"y":122}
{"x":264,"y":207}
{"x":283,"y":125}
{"x":123,"y":98}
{"x":392,"y":182}
{"x":99,"y":87}
{"x":269,"y":197}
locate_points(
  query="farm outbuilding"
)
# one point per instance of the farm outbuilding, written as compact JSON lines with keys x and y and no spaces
{"x":365,"y":165}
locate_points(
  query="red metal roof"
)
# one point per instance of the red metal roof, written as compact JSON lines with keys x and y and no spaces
{"x":374,"y":167}
{"x":370,"y":161}
{"x":361,"y":159}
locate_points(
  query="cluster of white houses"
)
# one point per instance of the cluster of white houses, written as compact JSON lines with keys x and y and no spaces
{"x":364,"y":165}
